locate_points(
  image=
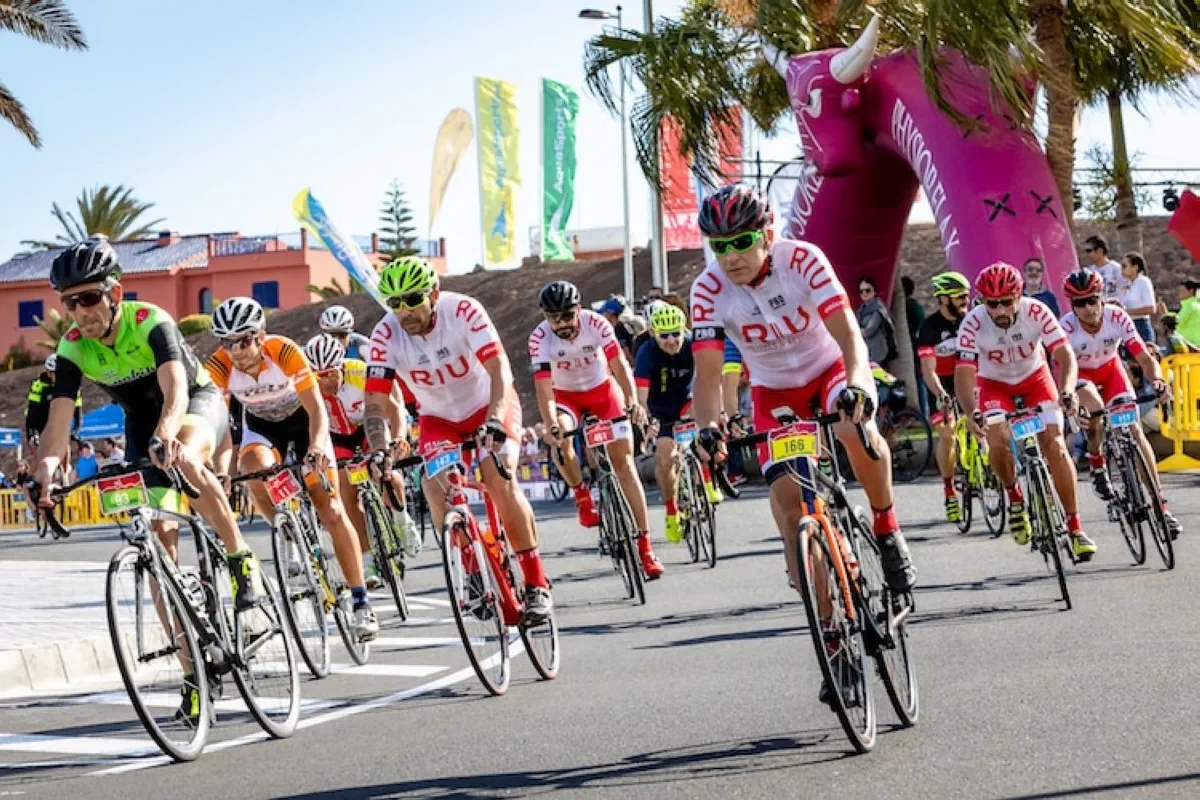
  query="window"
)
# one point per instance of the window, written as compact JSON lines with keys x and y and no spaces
{"x":29,"y":312}
{"x":266,"y":293}
{"x":130,"y":296}
{"x":206,"y":301}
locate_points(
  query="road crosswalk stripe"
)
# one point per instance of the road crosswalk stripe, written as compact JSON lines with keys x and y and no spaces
{"x":77,"y":745}
{"x":389,"y":670}
{"x":230,"y":705}
{"x":416,"y":641}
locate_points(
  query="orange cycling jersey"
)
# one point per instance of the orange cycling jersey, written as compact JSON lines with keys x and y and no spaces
{"x":274,"y":394}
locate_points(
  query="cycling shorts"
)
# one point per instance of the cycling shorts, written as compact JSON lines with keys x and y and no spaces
{"x":1110,"y":380}
{"x":291,"y":431}
{"x":603,"y":401}
{"x":435,"y":430}
{"x":668,"y":417}
{"x":206,"y":411}
{"x":346,"y":445}
{"x":1036,"y":391}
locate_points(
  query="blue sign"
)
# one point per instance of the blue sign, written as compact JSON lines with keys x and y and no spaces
{"x":107,"y":420}
{"x":10,"y":437}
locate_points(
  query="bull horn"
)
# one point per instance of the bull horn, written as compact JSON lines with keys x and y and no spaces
{"x":851,"y":64}
{"x":776,"y":58}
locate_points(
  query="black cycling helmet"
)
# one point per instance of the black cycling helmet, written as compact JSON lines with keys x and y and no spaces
{"x":733,"y":209}
{"x":87,"y":262}
{"x":558,"y":296}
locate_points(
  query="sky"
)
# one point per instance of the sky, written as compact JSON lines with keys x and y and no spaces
{"x":220,"y":112}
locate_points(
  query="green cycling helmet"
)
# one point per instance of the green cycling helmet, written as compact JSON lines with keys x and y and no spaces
{"x":667,"y":319}
{"x":948,"y":283}
{"x":407,"y":275}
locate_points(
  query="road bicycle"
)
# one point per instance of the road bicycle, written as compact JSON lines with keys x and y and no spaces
{"x":386,"y":541}
{"x":696,"y":511}
{"x":907,"y":432}
{"x":974,"y":478}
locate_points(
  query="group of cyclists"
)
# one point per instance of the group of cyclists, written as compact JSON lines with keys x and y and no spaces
{"x":776,"y":304}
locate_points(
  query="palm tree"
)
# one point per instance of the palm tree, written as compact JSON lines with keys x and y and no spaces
{"x":46,"y":21}
{"x":115,"y":213}
{"x":333,"y":290}
{"x":55,"y":326}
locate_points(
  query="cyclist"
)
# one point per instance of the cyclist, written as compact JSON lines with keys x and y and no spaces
{"x":445,"y":347}
{"x":282,"y":410}
{"x":135,"y":352}
{"x":579,"y":368}
{"x":782,"y":304}
{"x":1000,"y":350}
{"x":41,"y":392}
{"x":342,"y":382}
{"x":1095,"y":332}
{"x":338,"y":322}
{"x":937,"y":347}
{"x":663,"y":374}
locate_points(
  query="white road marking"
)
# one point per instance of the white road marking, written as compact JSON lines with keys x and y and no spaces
{"x":415,"y":641}
{"x":76,"y":745}
{"x":389,"y":670}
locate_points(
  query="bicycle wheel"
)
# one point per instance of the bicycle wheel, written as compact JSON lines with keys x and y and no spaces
{"x":153,"y":640}
{"x":389,"y":556}
{"x":541,"y":640}
{"x":910,"y":438}
{"x":991,"y":497}
{"x":688,"y":506}
{"x":475,"y":604}
{"x":303,"y":597}
{"x":343,"y":604}
{"x":1122,"y":479}
{"x":841,"y":653}
{"x":624,"y":551}
{"x":1152,"y":511}
{"x":558,"y":484}
{"x":963,"y":491}
{"x":264,"y":667}
{"x":705,"y":515}
{"x":893,"y":657}
{"x":1046,"y":531}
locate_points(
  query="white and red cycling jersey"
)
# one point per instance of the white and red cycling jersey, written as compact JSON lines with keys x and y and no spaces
{"x":777,"y":322}
{"x":442,"y":369}
{"x":1012,"y":354}
{"x":579,"y":364}
{"x":1099,"y":361}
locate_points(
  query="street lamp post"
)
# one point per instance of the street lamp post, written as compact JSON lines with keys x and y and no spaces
{"x":592,"y":13}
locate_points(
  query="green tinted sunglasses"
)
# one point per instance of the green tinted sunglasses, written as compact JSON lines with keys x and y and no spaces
{"x":735,"y":244}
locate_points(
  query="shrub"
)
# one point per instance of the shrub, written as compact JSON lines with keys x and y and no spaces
{"x":195,"y":323}
{"x":19,"y":356}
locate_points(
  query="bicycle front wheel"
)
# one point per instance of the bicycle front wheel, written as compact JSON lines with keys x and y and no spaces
{"x":1047,"y":531}
{"x":157,"y":654}
{"x":963,"y":491}
{"x":991,"y":497}
{"x":910,"y":438}
{"x":705,"y":525}
{"x":303,"y":598}
{"x":475,"y":603}
{"x":689,"y":509}
{"x":1122,"y":478}
{"x":343,"y":604}
{"x":389,"y":556}
{"x":617,"y":518}
{"x":1153,"y":513}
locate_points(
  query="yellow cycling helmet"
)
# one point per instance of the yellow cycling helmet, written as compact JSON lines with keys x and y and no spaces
{"x":667,"y":319}
{"x":406,"y":275}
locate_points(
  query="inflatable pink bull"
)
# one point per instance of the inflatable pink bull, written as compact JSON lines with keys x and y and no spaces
{"x":872,"y":136}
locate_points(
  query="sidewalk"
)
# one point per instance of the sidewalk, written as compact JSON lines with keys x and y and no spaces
{"x":53,"y":628}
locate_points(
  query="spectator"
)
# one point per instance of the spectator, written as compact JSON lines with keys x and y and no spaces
{"x":1188,"y":321}
{"x":1138,"y":298}
{"x":1096,"y":250}
{"x":1034,"y":271}
{"x":111,"y":453}
{"x":1175,"y":342}
{"x":85,"y":464}
{"x":626,"y":325}
{"x":913,"y":308}
{"x":654,"y":293}
{"x":878,"y":330}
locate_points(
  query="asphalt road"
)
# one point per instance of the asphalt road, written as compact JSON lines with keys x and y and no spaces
{"x":710,"y":690}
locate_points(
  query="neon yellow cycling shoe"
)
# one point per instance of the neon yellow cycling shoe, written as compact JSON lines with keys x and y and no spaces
{"x":714,"y":494}
{"x":1018,"y":522}
{"x":1082,"y":546}
{"x":672,"y":529}
{"x":953,"y":510}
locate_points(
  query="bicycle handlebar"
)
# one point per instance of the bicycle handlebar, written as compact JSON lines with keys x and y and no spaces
{"x":824,"y":420}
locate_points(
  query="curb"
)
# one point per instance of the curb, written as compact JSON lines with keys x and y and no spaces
{"x":60,"y":665}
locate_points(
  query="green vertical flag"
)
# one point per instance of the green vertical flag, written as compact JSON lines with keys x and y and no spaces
{"x":560,"y":108}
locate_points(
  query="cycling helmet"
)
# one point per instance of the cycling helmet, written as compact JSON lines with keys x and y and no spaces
{"x":236,"y":316}
{"x":949,"y":283}
{"x":1000,"y":279}
{"x":406,"y":275}
{"x":613,"y":305}
{"x":1083,"y":283}
{"x":667,"y":319}
{"x":87,"y":262}
{"x":337,"y":319}
{"x":324,"y":352}
{"x":51,"y":362}
{"x":733,"y":209}
{"x":558,"y":296}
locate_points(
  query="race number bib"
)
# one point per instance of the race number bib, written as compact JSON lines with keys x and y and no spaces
{"x":798,"y":440}
{"x":1026,"y":426}
{"x":685,"y":433}
{"x":441,"y":460}
{"x":358,"y":473}
{"x":599,"y":433}
{"x":282,"y":487}
{"x":121,"y":493}
{"x":1123,"y":416}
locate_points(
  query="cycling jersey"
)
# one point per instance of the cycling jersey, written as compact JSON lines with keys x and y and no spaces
{"x":346,"y":408}
{"x":776,"y":322}
{"x":441,"y":368}
{"x":1012,"y":354}
{"x":668,"y":377}
{"x":274,"y":394}
{"x":1095,"y":350}
{"x":579,"y":364}
{"x":938,"y":338}
{"x":37,"y":413}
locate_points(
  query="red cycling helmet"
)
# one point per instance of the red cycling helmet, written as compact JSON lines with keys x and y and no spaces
{"x":1083,"y":283}
{"x":1000,"y":279}
{"x":734,"y":209}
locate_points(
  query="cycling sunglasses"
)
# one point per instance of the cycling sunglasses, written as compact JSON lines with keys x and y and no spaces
{"x":85,"y":299}
{"x":735,"y":244}
{"x":670,"y":335}
{"x":240,"y":342}
{"x":410,"y":300}
{"x":561,"y":316}
{"x":1007,"y":303}
{"x":1084,"y":302}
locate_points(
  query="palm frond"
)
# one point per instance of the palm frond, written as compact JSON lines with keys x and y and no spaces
{"x":13,"y":112}
{"x":46,"y":21}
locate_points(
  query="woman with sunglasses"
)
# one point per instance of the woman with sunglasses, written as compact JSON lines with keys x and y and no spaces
{"x":445,"y":348}
{"x":579,"y":368}
{"x":782,"y":304}
{"x":663,"y":374}
{"x":1001,"y":349}
{"x":283,"y":410}
{"x":1096,"y":331}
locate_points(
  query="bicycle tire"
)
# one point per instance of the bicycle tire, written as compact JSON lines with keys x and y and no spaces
{"x":620,"y":540}
{"x":541,"y":640}
{"x":632,"y":561}
{"x":388,"y":551}
{"x":995,"y":514}
{"x":862,"y":737}
{"x":191,"y":747}
{"x":1122,"y":480}
{"x":910,"y":438}
{"x":706,"y":521}
{"x":312,"y":640}
{"x":1048,"y":536}
{"x":558,"y":484}
{"x":358,"y":649}
{"x":963,"y":491}
{"x":474,"y":602}
{"x":1155,"y":516}
{"x":687,"y":505}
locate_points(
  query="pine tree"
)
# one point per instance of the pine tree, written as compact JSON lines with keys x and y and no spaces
{"x":397,"y":234}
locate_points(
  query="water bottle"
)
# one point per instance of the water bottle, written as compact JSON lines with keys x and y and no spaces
{"x":825,"y":465}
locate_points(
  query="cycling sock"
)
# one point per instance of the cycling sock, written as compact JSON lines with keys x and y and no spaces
{"x":582,"y":494}
{"x":885,"y":521}
{"x":359,"y":593}
{"x":1096,"y":462}
{"x":948,"y":487}
{"x":531,"y":566}
{"x":1073,"y":524}
{"x":1014,"y":493}
{"x":707,"y":473}
{"x":672,"y":509}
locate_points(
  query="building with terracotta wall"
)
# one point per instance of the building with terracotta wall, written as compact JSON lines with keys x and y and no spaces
{"x":188,"y":275}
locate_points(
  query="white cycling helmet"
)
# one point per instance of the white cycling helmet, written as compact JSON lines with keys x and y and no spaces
{"x":337,"y":319}
{"x":237,"y":316}
{"x":324,"y":352}
{"x":51,"y":362}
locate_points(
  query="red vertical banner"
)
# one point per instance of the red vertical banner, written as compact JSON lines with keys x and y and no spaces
{"x":1184,"y":224}
{"x":681,"y":190}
